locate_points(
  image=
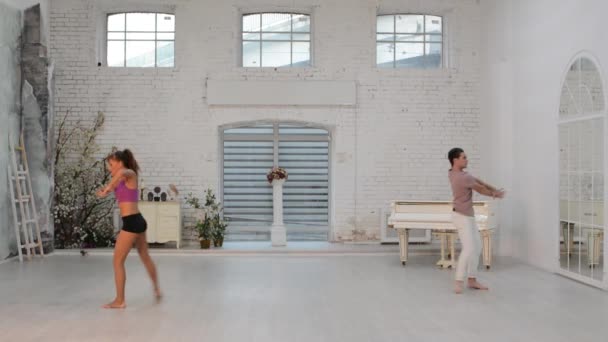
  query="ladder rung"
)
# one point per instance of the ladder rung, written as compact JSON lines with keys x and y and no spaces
{"x":25,"y":199}
{"x":19,"y":148}
{"x":24,"y":172}
{"x":28,"y":221}
{"x":18,"y":177}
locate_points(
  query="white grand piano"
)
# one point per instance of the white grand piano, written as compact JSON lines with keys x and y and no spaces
{"x":437,"y":216}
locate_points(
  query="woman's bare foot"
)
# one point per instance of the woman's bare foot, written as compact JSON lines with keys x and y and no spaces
{"x":158,"y":295}
{"x":474,"y":284}
{"x":458,"y":285}
{"x":116,"y":304}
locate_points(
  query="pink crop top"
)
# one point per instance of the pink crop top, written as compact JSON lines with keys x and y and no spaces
{"x":124,"y":194}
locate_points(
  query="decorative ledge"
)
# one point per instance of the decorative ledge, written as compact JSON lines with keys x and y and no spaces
{"x":304,"y":93}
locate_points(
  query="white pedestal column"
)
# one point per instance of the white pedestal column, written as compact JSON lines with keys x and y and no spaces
{"x":278,"y":234}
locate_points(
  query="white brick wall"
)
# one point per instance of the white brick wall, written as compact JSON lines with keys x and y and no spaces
{"x":391,"y":145}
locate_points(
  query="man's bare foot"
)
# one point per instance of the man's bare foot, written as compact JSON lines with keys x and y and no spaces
{"x":115,"y":305}
{"x":458,"y":286}
{"x":158,"y":295}
{"x":474,"y":284}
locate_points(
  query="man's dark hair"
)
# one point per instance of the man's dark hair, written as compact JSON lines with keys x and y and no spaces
{"x":454,"y":154}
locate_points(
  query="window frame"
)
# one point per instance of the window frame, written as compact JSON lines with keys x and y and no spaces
{"x":444,"y":45}
{"x":103,"y":37}
{"x":243,"y":13}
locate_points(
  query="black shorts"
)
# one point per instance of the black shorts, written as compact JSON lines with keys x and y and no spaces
{"x":134,"y":223}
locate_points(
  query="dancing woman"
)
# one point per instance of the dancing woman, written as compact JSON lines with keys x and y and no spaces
{"x":124,"y":170}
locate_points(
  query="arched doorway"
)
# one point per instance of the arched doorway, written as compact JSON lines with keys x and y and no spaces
{"x":582,"y":166}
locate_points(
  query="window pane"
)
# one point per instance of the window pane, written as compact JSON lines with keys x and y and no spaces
{"x":165,"y":54}
{"x":410,"y":23}
{"x":259,"y":130}
{"x":165,"y":36}
{"x":433,"y":49}
{"x":301,"y":54}
{"x":301,"y":23}
{"x":385,"y":37}
{"x":165,"y":22}
{"x":247,"y":196}
{"x":141,"y":22}
{"x":251,"y":36}
{"x":116,"y":36}
{"x":251,"y":23}
{"x":140,"y":36}
{"x":140,"y":54}
{"x":385,"y":23}
{"x":598,"y":138}
{"x":409,"y":55}
{"x":301,"y":36}
{"x":276,"y":22}
{"x":251,"y":54}
{"x":433,"y":55}
{"x":433,"y":38}
{"x":433,"y":24}
{"x":116,"y":53}
{"x":276,"y":54}
{"x":276,"y":36}
{"x":410,"y":37}
{"x":384,"y":55}
{"x":116,"y":22}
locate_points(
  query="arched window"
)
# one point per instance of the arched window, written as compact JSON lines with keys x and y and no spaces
{"x":276,"y":40}
{"x":409,"y":41}
{"x":250,"y":151}
{"x":140,"y":40}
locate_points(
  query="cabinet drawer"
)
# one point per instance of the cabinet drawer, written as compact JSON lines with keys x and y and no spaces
{"x":167,"y":235}
{"x":167,"y":222}
{"x":168,"y":210}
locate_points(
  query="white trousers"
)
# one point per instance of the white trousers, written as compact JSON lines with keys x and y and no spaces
{"x":468,"y":260}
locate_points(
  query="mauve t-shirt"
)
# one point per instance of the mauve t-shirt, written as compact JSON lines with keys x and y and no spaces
{"x":462,"y":189}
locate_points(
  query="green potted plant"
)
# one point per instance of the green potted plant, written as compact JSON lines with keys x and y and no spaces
{"x":214,"y":212}
{"x":219,"y":230}
{"x":203,"y":224}
{"x":209,"y":224}
{"x":205,"y":232}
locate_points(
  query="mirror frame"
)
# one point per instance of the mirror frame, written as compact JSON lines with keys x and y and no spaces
{"x":557,"y":246}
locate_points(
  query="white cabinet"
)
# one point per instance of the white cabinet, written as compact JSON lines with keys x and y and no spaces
{"x":164,"y":221}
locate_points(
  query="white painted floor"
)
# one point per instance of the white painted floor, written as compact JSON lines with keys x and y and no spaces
{"x":283,"y":297}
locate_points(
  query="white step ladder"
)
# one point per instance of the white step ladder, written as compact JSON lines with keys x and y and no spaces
{"x":26,"y":219}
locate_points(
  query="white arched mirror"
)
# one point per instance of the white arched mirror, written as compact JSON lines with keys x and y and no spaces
{"x":581,"y":173}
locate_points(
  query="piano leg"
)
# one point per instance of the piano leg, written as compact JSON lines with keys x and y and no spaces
{"x":403,"y":244}
{"x":442,"y":241}
{"x":487,"y":247}
{"x":452,"y":239}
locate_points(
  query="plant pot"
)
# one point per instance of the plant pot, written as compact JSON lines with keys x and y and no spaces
{"x":205,"y":244}
{"x":218,"y":242}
